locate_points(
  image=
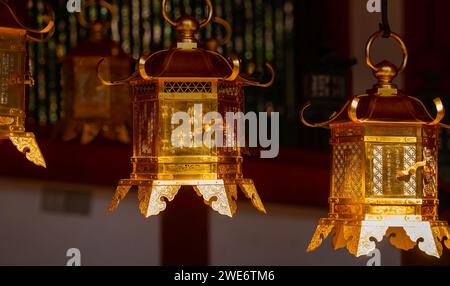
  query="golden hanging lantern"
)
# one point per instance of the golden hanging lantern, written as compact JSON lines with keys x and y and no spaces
{"x":384,"y":169}
{"x":14,"y":77}
{"x":172,"y":81}
{"x":91,"y":108}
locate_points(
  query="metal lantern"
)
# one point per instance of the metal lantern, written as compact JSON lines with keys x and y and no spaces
{"x":176,"y":80}
{"x":326,"y":80}
{"x":90,"y":107}
{"x":14,"y":77}
{"x":384,"y":169}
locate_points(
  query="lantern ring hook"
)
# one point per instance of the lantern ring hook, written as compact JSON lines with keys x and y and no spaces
{"x":116,"y":82}
{"x":228,"y":30}
{"x":111,"y":8}
{"x":49,"y":29}
{"x":203,"y":22}
{"x":397,"y":38}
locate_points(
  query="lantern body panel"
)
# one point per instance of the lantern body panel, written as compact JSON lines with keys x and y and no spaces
{"x":384,"y":182}
{"x":160,"y":167}
{"x":13,"y":81}
{"x":91,"y":107}
{"x":174,"y":92}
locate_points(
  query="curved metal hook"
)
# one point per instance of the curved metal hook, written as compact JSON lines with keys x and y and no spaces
{"x":440,"y":111}
{"x":236,"y":68}
{"x":116,"y":82}
{"x":268,"y":84}
{"x":203,"y":22}
{"x":333,"y":116}
{"x":142,"y":71}
{"x":353,"y":109}
{"x":228,"y":30}
{"x":439,"y":108}
{"x":49,"y":29}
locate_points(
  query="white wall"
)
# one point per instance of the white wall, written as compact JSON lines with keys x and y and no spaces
{"x":31,"y":236}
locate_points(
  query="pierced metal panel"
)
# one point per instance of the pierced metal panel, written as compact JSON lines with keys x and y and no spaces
{"x":347,"y":170}
{"x":188,"y":87}
{"x":387,"y":161}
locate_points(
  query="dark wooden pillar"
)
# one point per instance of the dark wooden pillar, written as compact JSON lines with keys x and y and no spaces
{"x":428,"y":44}
{"x":185,"y":235}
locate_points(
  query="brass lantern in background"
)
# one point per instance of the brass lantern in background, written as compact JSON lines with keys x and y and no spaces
{"x":172,"y":81}
{"x":384,"y":169}
{"x":91,"y":108}
{"x":14,"y":77}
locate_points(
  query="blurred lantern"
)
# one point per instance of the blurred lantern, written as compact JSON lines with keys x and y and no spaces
{"x":90,"y":107}
{"x":213,"y":44}
{"x":325,"y":81}
{"x":385,"y":169}
{"x":174,"y":81}
{"x":14,"y":77}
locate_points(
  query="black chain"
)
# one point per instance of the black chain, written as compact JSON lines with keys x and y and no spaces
{"x":384,"y":25}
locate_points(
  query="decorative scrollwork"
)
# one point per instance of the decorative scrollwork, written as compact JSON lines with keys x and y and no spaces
{"x":26,"y":143}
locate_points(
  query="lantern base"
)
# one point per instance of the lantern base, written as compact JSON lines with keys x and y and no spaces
{"x":26,"y":143}
{"x":87,"y":131}
{"x":219,"y":194}
{"x":357,"y":236}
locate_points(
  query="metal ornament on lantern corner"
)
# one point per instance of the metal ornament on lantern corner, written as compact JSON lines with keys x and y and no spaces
{"x":172,"y":81}
{"x":384,"y":178}
{"x":90,"y":107}
{"x":14,"y":77}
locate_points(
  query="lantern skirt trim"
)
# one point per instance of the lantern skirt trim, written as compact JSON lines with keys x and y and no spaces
{"x":27,"y":144}
{"x":357,"y":236}
{"x":220,"y":195}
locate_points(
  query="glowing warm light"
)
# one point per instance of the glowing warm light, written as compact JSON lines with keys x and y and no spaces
{"x":172,"y":81}
{"x":92,"y":109}
{"x":14,"y":78}
{"x":384,"y":179}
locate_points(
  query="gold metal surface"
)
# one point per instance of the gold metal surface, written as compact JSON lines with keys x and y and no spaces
{"x":177,"y":80}
{"x":384,"y":169}
{"x":26,"y":143}
{"x":203,"y":22}
{"x":44,"y":34}
{"x":14,"y":79}
{"x":396,"y":37}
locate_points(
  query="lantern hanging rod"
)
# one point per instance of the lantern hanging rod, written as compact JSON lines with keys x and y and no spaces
{"x":48,"y":29}
{"x":384,"y":25}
